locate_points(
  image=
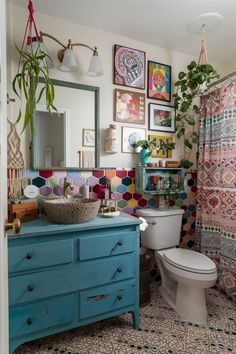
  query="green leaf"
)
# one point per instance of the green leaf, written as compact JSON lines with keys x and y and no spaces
{"x":186,"y":163}
{"x":196,"y":109}
{"x":190,"y":120}
{"x":180,"y":132}
{"x":188,"y":144}
{"x":40,"y":94}
{"x":19,"y":116}
{"x":181,"y":75}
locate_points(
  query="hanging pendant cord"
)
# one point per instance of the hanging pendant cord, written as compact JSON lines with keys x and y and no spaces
{"x":203,"y":59}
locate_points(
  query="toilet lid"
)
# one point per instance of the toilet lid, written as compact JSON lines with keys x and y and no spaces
{"x":189,"y":260}
{"x":150,"y":212}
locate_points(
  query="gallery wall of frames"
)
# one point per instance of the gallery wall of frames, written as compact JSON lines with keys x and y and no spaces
{"x":151,"y":80}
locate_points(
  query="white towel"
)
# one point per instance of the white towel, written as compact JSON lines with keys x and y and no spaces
{"x":88,"y":159}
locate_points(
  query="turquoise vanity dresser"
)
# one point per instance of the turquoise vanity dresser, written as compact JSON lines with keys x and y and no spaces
{"x":66,"y":276}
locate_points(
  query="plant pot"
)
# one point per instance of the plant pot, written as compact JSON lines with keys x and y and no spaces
{"x":144,"y":159}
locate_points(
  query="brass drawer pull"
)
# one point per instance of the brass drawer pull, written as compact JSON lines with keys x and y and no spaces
{"x":30,"y":288}
{"x":29,"y":321}
{"x":119,"y":297}
{"x":28,"y":256}
{"x":97,"y":297}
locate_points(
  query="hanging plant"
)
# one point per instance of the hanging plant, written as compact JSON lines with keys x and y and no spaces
{"x":32,"y":65}
{"x":25,"y":85}
{"x":190,"y":85}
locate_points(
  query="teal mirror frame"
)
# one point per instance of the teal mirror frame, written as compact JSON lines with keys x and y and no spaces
{"x":96,"y":91}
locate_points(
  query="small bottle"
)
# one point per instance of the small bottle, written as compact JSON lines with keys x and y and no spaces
{"x":106,"y":193}
{"x":84,"y":189}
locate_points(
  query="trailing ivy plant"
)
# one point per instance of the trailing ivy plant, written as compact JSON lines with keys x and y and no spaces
{"x":25,"y":84}
{"x":190,"y":85}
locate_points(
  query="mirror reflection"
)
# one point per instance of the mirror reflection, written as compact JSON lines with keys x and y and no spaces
{"x":67,"y":139}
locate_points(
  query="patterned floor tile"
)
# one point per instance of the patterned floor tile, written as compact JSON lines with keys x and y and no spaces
{"x":162,"y":331}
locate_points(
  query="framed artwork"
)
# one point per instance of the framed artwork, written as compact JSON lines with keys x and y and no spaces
{"x":159,"y":81}
{"x":161,"y":118}
{"x":159,"y":141}
{"x":129,"y":67}
{"x":129,"y":106}
{"x":88,"y":137}
{"x":131,"y":136}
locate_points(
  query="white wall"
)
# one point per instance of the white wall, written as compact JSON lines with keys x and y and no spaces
{"x":104,"y":41}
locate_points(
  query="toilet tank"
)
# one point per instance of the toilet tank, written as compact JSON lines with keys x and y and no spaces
{"x":164,"y":227}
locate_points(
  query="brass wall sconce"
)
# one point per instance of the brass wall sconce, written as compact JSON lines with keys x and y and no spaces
{"x":68,"y":58}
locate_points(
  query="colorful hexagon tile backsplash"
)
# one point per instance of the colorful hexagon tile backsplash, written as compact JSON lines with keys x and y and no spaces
{"x":122,"y":185}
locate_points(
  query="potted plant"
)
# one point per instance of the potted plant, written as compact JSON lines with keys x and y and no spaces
{"x":190,"y":85}
{"x":147,"y":147}
{"x":25,"y":83}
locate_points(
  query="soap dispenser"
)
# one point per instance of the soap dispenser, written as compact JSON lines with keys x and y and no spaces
{"x":84,"y":189}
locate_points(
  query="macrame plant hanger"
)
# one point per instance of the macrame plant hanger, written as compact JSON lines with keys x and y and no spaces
{"x":203,"y":59}
{"x":31,"y":32}
{"x":15,"y":162}
{"x":15,"y":157}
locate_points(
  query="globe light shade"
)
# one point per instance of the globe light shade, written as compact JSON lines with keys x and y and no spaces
{"x":69,"y":62}
{"x":95,"y":67}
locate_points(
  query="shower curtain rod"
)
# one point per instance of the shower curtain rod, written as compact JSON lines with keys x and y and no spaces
{"x":222,"y":80}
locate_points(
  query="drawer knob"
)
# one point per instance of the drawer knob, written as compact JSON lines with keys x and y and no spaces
{"x":30,"y":288}
{"x":119,"y":243}
{"x":29,"y":321}
{"x":119,"y":297}
{"x":119,"y":270}
{"x":29,"y":256}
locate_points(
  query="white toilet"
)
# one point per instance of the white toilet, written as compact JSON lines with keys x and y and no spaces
{"x":185,"y":274}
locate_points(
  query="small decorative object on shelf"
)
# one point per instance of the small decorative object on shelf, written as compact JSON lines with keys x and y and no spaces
{"x":173,"y":164}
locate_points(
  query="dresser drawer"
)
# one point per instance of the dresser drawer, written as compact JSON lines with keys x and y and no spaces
{"x":29,"y":287}
{"x":38,"y":255}
{"x":108,"y":270}
{"x":41,"y":315}
{"x":106,"y":299}
{"x":109,"y":244}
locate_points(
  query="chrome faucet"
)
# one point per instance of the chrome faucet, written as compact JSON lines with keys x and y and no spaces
{"x":66,"y":186}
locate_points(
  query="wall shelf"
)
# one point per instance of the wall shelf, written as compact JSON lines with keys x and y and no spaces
{"x":170,"y":180}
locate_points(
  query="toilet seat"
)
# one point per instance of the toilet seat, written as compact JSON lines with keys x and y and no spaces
{"x":187,"y":260}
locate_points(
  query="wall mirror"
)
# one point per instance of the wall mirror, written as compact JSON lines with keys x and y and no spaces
{"x":67,"y":139}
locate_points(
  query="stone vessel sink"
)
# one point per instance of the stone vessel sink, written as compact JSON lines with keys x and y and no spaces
{"x":71,"y":211}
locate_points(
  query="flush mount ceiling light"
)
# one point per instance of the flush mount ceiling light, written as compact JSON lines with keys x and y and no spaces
{"x":211,"y":20}
{"x":68,"y":57}
{"x":201,"y":24}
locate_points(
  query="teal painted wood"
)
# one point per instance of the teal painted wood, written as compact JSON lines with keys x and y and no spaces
{"x":32,"y":256}
{"x":106,"y":299}
{"x":143,"y":175}
{"x":35,"y":286}
{"x":31,"y":290}
{"x":43,"y":226}
{"x":96,"y":246}
{"x":34,"y":317}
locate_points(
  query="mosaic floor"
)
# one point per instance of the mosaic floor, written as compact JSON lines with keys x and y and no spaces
{"x":161,"y":332}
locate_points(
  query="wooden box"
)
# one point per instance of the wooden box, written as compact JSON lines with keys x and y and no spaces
{"x":25,"y":211}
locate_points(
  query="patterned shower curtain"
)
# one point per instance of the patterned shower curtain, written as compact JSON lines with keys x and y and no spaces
{"x":216,"y":209}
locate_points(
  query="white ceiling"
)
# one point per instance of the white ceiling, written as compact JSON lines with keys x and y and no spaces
{"x":160,"y":22}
